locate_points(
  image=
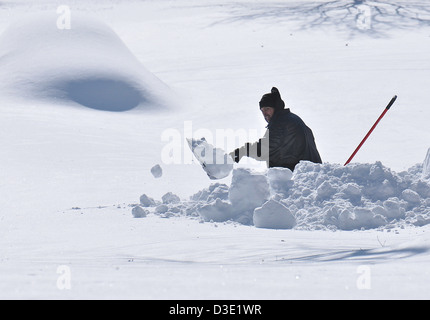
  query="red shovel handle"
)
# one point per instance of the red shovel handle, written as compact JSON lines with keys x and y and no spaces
{"x":371,"y":129}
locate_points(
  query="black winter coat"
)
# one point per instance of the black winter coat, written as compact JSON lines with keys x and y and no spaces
{"x":290,"y":141}
{"x":287,"y":141}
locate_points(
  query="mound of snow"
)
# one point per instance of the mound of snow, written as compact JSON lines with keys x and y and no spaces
{"x":87,"y":64}
{"x":316,"y":196}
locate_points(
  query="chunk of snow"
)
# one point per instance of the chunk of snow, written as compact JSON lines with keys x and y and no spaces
{"x":156,"y":171}
{"x":273,"y":215}
{"x":146,"y":201}
{"x":170,"y":197}
{"x":139,"y":212}
{"x":215,"y":161}
{"x":248,"y":190}
{"x":279,"y":180}
{"x":217,"y":211}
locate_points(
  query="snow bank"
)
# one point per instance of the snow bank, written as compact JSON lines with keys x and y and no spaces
{"x":87,"y":64}
{"x":316,"y":196}
{"x":357,"y":196}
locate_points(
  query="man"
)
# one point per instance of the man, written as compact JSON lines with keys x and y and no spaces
{"x":287,"y":139}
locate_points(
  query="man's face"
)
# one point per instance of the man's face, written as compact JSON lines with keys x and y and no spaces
{"x":267,"y":113}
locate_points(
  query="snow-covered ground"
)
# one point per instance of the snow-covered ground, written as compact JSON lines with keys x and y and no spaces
{"x":88,"y":106}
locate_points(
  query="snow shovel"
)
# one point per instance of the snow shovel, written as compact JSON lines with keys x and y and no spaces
{"x":215,"y":162}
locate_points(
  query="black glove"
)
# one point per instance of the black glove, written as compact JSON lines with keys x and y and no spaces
{"x":235,"y":155}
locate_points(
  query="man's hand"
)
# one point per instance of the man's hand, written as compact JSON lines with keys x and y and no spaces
{"x":235,"y":155}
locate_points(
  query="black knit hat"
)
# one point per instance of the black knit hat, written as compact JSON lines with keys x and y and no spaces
{"x":272,"y":99}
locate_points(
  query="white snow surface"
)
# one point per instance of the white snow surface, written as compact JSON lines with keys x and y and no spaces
{"x":87,"y":112}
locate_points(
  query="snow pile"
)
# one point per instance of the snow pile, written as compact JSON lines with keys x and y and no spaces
{"x":358,"y":196}
{"x":316,"y":196}
{"x":86,"y":64}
